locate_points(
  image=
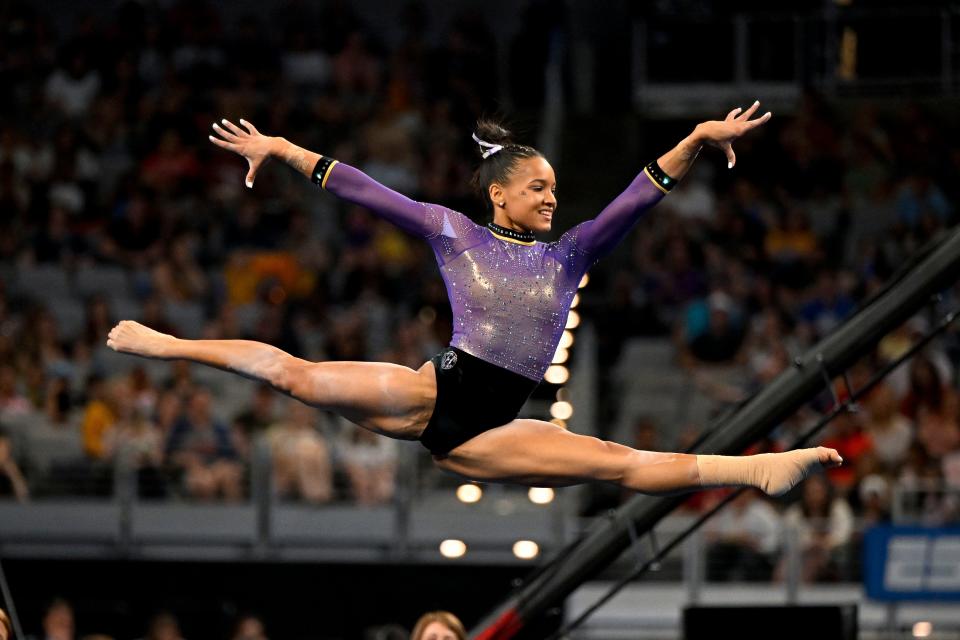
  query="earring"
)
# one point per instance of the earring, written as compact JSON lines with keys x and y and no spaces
{"x":503,"y":204}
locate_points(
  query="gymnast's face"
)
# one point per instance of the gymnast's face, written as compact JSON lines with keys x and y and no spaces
{"x":529,"y":199}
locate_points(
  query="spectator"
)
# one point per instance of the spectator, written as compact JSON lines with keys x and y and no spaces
{"x":58,"y":621}
{"x":845,"y":434}
{"x":874,"y":494}
{"x":72,"y":87}
{"x":136,"y":436}
{"x":438,"y":625}
{"x":57,"y":402}
{"x":719,"y":343}
{"x":926,"y":388}
{"x":249,"y":627}
{"x":6,"y":628}
{"x":890,"y":432}
{"x":371,"y":464}
{"x":828,"y":306}
{"x":742,"y":540}
{"x":179,"y":278}
{"x":99,"y":419}
{"x":201,"y":449}
{"x":12,"y":401}
{"x":12,"y":482}
{"x":259,"y":415}
{"x":163,"y":626}
{"x":301,"y":458}
{"x":823,"y":524}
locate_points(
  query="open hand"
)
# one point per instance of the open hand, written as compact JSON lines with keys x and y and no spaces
{"x":247,"y":141}
{"x":721,"y":134}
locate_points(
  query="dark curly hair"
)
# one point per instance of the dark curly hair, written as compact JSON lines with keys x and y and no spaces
{"x":498,"y":167}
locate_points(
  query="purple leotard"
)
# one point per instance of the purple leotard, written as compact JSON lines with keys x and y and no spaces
{"x":510,"y":300}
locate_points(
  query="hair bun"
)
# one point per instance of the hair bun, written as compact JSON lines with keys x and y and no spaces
{"x":493,"y":132}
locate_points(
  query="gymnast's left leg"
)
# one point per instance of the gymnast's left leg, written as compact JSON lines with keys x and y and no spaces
{"x":538,"y":453}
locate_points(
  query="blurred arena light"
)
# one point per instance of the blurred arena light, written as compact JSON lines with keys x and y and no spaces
{"x":566,"y":340}
{"x":469,"y":493}
{"x":573,"y":320}
{"x":453,"y":548}
{"x":560,"y":356}
{"x":526,"y":549}
{"x":584,"y":281}
{"x":922,"y":629}
{"x":561,"y":409}
{"x":540,"y":495}
{"x":557,"y":374}
{"x":576,"y":301}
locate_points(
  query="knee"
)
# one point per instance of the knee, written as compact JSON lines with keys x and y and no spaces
{"x":294,"y":376}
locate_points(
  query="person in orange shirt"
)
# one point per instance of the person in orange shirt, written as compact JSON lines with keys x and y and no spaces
{"x":99,"y":418}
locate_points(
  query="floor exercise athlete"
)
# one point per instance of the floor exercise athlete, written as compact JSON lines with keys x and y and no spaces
{"x":510,"y":297}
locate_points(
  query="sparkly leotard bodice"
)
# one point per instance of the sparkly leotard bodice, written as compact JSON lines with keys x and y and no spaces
{"x":509,"y":299}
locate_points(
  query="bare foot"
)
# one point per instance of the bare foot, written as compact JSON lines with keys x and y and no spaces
{"x":781,"y":472}
{"x":132,"y":337}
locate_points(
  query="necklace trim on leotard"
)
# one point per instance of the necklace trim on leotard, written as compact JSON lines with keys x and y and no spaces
{"x":526,"y":237}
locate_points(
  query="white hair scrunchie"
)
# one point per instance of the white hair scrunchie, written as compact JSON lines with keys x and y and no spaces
{"x":488,"y":148}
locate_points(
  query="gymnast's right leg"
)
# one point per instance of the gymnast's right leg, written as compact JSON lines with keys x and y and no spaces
{"x":386,"y":398}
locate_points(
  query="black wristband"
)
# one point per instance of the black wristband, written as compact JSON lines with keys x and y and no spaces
{"x":321,"y":169}
{"x":658,"y":175}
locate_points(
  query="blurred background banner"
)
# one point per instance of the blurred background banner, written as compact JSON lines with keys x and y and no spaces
{"x":912,"y":563}
{"x":296,"y":524}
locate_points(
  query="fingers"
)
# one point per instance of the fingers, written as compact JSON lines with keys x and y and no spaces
{"x":759,"y":121}
{"x":233,"y":128}
{"x":749,"y":112}
{"x":223,"y":144}
{"x":252,"y":129}
{"x":251,"y":173}
{"x":732,"y":114}
{"x":227,"y":135}
{"x":731,"y":156}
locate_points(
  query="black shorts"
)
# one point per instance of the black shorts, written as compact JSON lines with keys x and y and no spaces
{"x":473,"y":396}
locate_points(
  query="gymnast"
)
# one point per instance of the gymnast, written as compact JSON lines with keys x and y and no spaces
{"x":510,"y":296}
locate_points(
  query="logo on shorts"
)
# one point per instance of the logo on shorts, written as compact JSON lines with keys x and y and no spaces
{"x":449,"y":360}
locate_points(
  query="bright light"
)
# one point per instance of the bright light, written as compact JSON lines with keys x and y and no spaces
{"x":557,"y":374}
{"x":453,"y":548}
{"x":566,"y":340}
{"x":540,"y":495}
{"x":560,"y":423}
{"x":561,"y":409}
{"x":469,"y":493}
{"x":573,"y":320}
{"x":920,"y":629}
{"x":526,"y":549}
{"x":561,"y":355}
{"x":584,"y":281}
{"x":576,"y":301}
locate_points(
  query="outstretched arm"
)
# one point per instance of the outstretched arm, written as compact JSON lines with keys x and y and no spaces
{"x":598,"y":236}
{"x":340,"y":179}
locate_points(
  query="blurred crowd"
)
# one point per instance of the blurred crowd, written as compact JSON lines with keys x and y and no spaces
{"x":116,"y":206}
{"x":58,"y":622}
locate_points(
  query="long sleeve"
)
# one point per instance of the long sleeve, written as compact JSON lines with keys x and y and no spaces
{"x":355,"y":186}
{"x":599,"y":236}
